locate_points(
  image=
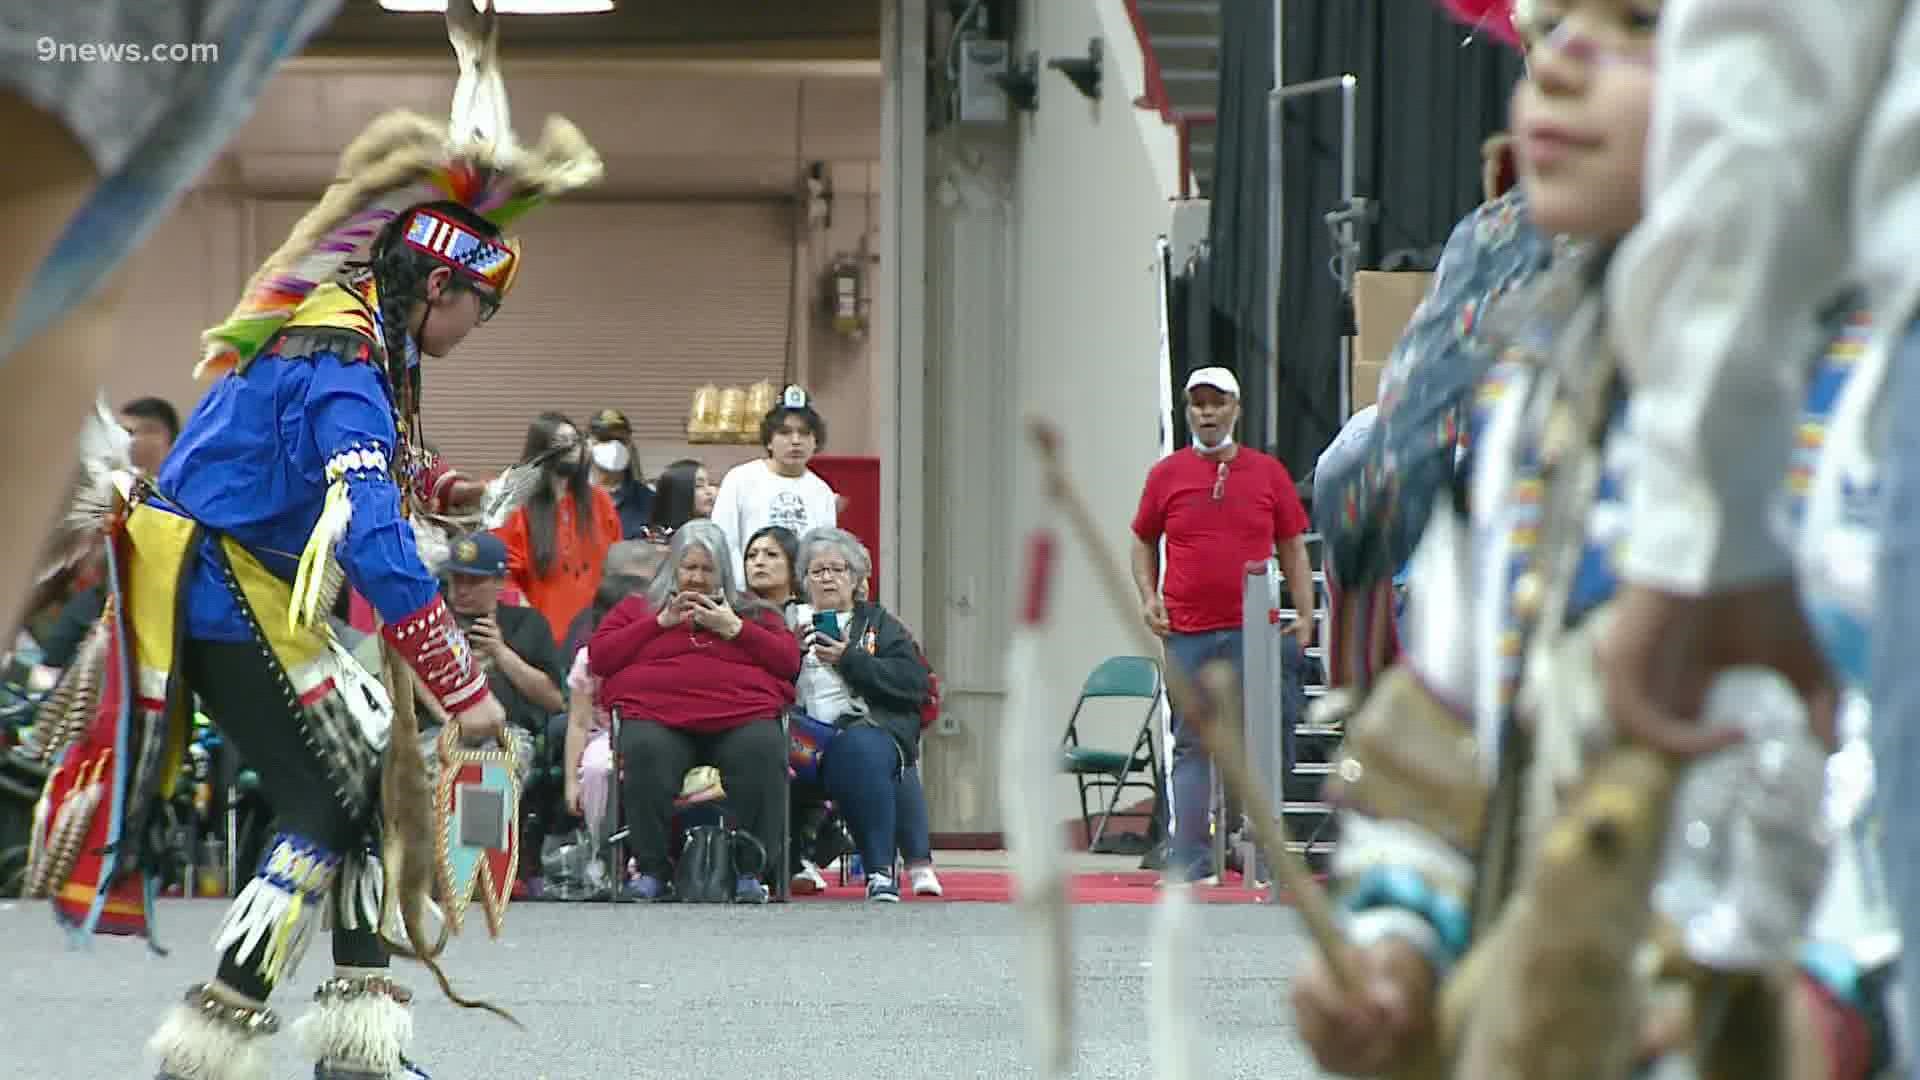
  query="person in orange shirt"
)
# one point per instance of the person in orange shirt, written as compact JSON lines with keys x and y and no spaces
{"x":557,"y":542}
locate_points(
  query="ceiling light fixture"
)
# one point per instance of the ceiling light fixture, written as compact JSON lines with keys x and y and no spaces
{"x":508,"y":7}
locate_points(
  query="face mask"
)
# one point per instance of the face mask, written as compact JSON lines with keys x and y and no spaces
{"x":611,"y":456}
{"x":1225,"y":441}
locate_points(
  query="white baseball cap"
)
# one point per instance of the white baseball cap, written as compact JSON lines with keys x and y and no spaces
{"x":1217,"y":377}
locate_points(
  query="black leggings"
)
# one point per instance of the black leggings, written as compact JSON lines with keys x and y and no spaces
{"x":752,"y":760}
{"x":242,"y":693}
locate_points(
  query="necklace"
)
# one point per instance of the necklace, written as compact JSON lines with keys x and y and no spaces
{"x":693,"y":635}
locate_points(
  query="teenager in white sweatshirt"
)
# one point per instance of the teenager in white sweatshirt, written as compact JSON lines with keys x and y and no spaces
{"x":779,"y":489}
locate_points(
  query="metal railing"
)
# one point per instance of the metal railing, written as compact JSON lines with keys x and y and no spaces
{"x":1156,"y":96}
{"x":1157,"y":99}
{"x":1183,"y":124}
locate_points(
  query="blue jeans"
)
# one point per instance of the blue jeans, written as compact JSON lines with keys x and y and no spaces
{"x":884,"y":805}
{"x":912,"y":823}
{"x":1895,"y":679}
{"x":1192,"y":768}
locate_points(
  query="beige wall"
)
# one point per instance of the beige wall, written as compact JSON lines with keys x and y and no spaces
{"x":1041,"y":302}
{"x":665,"y":133}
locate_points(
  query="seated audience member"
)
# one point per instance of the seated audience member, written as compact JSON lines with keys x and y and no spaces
{"x":771,"y":557}
{"x":779,"y":489}
{"x":628,"y":558}
{"x":515,"y":648}
{"x":558,"y":539}
{"x":513,"y":644}
{"x":682,"y":493}
{"x":153,"y":424}
{"x":700,"y":673}
{"x":862,"y":673}
{"x":616,"y":470}
{"x":588,"y":769}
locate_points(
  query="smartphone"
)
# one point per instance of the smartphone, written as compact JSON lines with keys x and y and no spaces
{"x":827,"y":624}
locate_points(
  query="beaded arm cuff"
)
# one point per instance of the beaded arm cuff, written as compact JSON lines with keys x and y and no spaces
{"x":433,"y":646}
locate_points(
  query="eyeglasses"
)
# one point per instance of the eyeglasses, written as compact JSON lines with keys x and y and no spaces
{"x":824,"y":572}
{"x":1220,"y":483}
{"x":489,"y":302}
{"x":1591,"y":48}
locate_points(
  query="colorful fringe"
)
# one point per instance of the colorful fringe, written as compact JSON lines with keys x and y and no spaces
{"x":272,"y":920}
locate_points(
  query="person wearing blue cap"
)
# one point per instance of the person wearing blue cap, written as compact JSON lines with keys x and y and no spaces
{"x":513,"y":644}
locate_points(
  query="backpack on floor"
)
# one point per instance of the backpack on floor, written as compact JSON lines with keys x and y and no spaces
{"x":713,"y":858}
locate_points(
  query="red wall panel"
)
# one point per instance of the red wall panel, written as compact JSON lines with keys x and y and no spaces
{"x":858,"y":480}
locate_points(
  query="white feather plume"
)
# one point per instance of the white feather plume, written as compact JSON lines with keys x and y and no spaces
{"x":106,"y":463}
{"x":1173,"y":992}
{"x":510,"y":491}
{"x":1029,"y":760}
{"x":480,"y":96}
{"x":434,"y":544}
{"x":101,"y":484}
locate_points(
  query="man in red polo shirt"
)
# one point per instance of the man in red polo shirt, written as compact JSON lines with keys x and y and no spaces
{"x":1218,"y":506}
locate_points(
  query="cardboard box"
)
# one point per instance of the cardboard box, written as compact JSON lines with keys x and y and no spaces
{"x":1366,"y":383}
{"x":1383,"y":302}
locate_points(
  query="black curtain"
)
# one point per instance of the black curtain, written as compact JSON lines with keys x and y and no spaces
{"x":1427,"y":98}
{"x":1237,"y":224}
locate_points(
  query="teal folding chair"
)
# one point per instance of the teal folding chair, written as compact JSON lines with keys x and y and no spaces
{"x":1097,"y":769}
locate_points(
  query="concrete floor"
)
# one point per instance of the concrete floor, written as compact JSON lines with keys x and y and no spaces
{"x":813,"y":989}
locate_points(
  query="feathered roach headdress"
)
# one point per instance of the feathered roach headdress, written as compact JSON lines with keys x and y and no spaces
{"x":1506,"y":20}
{"x":401,"y":161}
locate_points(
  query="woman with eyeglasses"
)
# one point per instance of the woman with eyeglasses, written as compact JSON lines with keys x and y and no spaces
{"x":861,"y":672}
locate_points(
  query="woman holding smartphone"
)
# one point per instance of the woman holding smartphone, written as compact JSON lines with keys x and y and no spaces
{"x":861,"y":672}
{"x":700,"y":672}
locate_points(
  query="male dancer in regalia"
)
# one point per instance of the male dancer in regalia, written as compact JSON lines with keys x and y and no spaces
{"x":307,"y":450}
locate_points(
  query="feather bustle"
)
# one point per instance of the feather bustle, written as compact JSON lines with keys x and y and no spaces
{"x":102,"y":478}
{"x":401,"y":160}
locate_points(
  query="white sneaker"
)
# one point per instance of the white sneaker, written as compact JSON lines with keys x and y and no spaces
{"x":809,"y":881}
{"x":925,"y":881}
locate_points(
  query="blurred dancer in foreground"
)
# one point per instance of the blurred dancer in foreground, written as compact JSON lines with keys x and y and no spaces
{"x":297,"y":474}
{"x":1440,"y":844}
{"x":1780,"y":163}
{"x":99,"y":151}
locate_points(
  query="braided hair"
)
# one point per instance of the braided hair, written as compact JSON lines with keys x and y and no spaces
{"x":400,"y":274}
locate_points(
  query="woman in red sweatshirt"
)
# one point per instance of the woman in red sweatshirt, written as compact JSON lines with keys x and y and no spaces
{"x":700,"y":672}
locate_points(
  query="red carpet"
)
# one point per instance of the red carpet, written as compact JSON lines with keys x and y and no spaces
{"x":996,"y":887}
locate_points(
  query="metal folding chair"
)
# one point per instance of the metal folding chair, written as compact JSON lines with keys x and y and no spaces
{"x":1092,"y":768}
